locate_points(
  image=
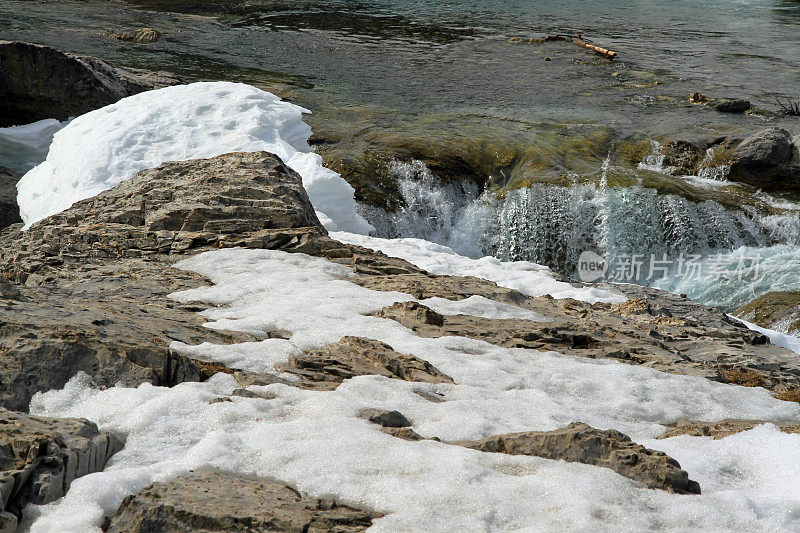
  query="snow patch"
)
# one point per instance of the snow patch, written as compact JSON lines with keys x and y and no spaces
{"x":98,"y":150}
{"x":314,"y":440}
{"x":526,"y":277}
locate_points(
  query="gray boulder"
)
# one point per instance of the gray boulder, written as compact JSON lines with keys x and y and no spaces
{"x":42,"y":456}
{"x":39,"y":82}
{"x":223,"y":502}
{"x":770,"y":159}
{"x":732,"y":106}
{"x":9,"y":210}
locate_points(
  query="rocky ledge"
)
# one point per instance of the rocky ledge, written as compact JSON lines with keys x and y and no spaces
{"x":215,"y":501}
{"x":86,"y":290}
{"x":83,"y":83}
{"x":41,"y":457}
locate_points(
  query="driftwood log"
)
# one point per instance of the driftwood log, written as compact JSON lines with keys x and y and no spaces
{"x":580,"y":41}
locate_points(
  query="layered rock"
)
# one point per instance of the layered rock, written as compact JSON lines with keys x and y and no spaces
{"x":9,"y":210}
{"x":652,"y":328}
{"x":97,"y":277}
{"x":778,"y":310}
{"x":580,"y":443}
{"x":224,"y":502}
{"x":41,"y":457}
{"x":576,"y":443}
{"x":357,"y":356}
{"x":39,"y":82}
{"x":720,"y":429}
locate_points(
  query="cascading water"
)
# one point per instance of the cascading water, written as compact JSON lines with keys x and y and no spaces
{"x":430,"y":206}
{"x":553,"y":224}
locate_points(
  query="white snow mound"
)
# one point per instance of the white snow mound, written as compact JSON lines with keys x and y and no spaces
{"x":98,"y":150}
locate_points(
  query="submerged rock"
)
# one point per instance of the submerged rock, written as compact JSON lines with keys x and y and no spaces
{"x":39,"y":82}
{"x":736,"y":105}
{"x":141,"y":36}
{"x":224,"y":502}
{"x":9,"y":210}
{"x":770,"y":159}
{"x":778,"y":310}
{"x":580,"y":443}
{"x":42,"y":456}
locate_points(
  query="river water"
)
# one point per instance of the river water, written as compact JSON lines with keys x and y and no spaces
{"x":382,"y":75}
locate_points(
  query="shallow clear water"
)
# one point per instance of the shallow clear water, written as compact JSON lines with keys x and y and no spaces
{"x":381,"y":75}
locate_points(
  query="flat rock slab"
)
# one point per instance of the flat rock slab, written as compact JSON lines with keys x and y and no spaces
{"x":580,"y":443}
{"x":357,"y":356}
{"x":220,"y":502}
{"x":720,"y":429}
{"x":40,"y":457}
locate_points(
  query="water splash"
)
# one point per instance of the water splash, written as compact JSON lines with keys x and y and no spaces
{"x":431,"y":206}
{"x":552,"y":224}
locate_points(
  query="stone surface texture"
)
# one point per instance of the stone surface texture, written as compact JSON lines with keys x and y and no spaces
{"x":41,"y":456}
{"x":39,"y":82}
{"x":209,"y":502}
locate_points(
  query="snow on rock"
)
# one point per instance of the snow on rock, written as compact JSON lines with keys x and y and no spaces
{"x":528,"y":278}
{"x":315,"y":441}
{"x":98,"y":150}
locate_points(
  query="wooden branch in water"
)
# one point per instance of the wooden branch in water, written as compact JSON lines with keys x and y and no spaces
{"x":596,"y":49}
{"x":580,"y":41}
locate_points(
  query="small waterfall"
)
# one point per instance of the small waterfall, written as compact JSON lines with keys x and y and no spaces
{"x":553,"y":224}
{"x":431,"y":206}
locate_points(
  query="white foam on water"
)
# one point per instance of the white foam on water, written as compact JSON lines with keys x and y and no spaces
{"x":98,"y":150}
{"x":314,"y":440}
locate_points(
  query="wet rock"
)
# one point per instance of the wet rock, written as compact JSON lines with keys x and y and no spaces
{"x":357,"y":356}
{"x":721,"y":429}
{"x":39,"y":82}
{"x":778,"y":310}
{"x":770,"y":159}
{"x":386,"y":419}
{"x":684,"y":157}
{"x":736,"y":105}
{"x":580,"y":443}
{"x":653,"y":328}
{"x":141,"y":36}
{"x":42,"y":456}
{"x":223,"y":502}
{"x":9,"y":210}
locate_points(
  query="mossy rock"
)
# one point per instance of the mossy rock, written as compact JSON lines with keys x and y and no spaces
{"x":778,"y":310}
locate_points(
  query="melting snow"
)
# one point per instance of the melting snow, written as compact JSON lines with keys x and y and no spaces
{"x":98,"y":150}
{"x":315,"y":441}
{"x":528,"y":278}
